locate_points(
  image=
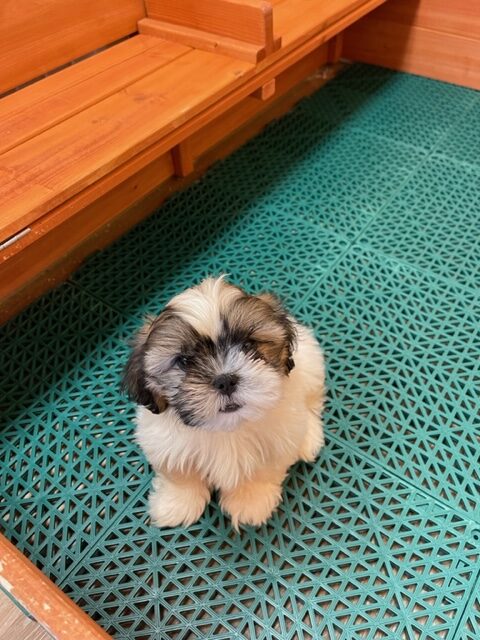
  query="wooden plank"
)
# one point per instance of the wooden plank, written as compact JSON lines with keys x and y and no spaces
{"x":434,"y":54}
{"x":14,"y":624}
{"x":63,"y":160}
{"x":45,"y":601}
{"x":299,"y":20}
{"x":36,"y":37}
{"x":247,"y":20}
{"x":202,"y":40}
{"x":461,"y":17}
{"x":54,"y":238}
{"x":29,"y":112}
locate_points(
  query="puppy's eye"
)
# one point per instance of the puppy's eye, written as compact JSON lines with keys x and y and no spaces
{"x":181,"y":362}
{"x":248,"y":345}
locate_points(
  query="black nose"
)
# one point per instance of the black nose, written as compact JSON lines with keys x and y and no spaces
{"x":226,"y":383}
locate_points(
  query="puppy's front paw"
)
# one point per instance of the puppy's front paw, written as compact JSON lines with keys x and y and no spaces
{"x":252,"y":503}
{"x":174,"y":505}
{"x":314,"y":439}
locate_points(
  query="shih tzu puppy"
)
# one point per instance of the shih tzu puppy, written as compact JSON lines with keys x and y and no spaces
{"x":230,"y":390}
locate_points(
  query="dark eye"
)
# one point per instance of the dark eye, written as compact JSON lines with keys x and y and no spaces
{"x":248,"y":345}
{"x":181,"y":362}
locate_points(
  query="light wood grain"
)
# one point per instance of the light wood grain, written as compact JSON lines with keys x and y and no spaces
{"x":460,"y":17}
{"x":247,"y":20}
{"x":202,"y":40}
{"x":251,"y":110}
{"x":52,"y":239}
{"x":67,"y":158}
{"x":27,"y":113}
{"x":297,"y":20}
{"x":428,"y":37}
{"x":14,"y":625}
{"x":46,"y":602}
{"x":266,"y":91}
{"x":426,"y":52}
{"x":36,"y":37}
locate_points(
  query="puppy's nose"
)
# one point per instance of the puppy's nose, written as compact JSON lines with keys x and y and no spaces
{"x":226,"y":383}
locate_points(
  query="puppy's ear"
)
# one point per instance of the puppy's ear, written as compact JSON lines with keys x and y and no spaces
{"x":282,"y":317}
{"x":134,"y":381}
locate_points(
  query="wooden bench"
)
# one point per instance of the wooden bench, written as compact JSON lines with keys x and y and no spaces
{"x":87,"y":151}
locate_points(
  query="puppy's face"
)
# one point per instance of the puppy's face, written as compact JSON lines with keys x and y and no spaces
{"x":215,"y":355}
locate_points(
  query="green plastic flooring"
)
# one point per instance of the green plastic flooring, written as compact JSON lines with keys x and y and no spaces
{"x":362,"y":209}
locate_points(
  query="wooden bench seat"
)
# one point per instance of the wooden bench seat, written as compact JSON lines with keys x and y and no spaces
{"x":46,"y":169}
{"x":130,"y":111}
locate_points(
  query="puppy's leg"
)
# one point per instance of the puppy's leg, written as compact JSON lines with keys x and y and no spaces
{"x":253,"y":502}
{"x":314,"y":438}
{"x":177,"y":499}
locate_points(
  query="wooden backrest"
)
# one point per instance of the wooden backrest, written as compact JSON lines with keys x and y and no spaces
{"x":37,"y":36}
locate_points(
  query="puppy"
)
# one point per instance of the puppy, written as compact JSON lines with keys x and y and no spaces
{"x":230,"y":389}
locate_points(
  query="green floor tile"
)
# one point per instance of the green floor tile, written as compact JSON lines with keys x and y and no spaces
{"x":398,"y":106}
{"x":68,"y":464}
{"x":471,"y":622}
{"x":462,"y":142}
{"x":361,"y":209}
{"x":404,"y":372}
{"x":360,"y":555}
{"x":433,"y":222}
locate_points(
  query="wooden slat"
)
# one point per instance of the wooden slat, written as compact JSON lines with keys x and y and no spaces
{"x":72,"y":155}
{"x":202,"y":40}
{"x":434,"y":54}
{"x":60,"y":232}
{"x":247,"y":20}
{"x":42,"y":105}
{"x":182,"y":159}
{"x":14,"y":624}
{"x":299,"y":20}
{"x":36,"y":37}
{"x":46,"y":602}
{"x":460,"y":17}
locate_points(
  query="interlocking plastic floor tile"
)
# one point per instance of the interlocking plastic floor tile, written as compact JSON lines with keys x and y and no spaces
{"x":433,"y":222}
{"x":353,"y":168}
{"x":181,"y":245}
{"x":471,"y":624}
{"x":359,"y":555}
{"x":68,"y":464}
{"x":375,"y":243}
{"x":462,"y":142}
{"x":401,"y":107}
{"x":403,"y":369}
{"x":385,"y":83}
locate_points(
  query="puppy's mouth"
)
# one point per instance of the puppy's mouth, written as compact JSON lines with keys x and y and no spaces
{"x":231,"y":407}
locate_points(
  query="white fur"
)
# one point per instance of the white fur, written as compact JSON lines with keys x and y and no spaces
{"x":247,"y":460}
{"x":202,"y":305}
